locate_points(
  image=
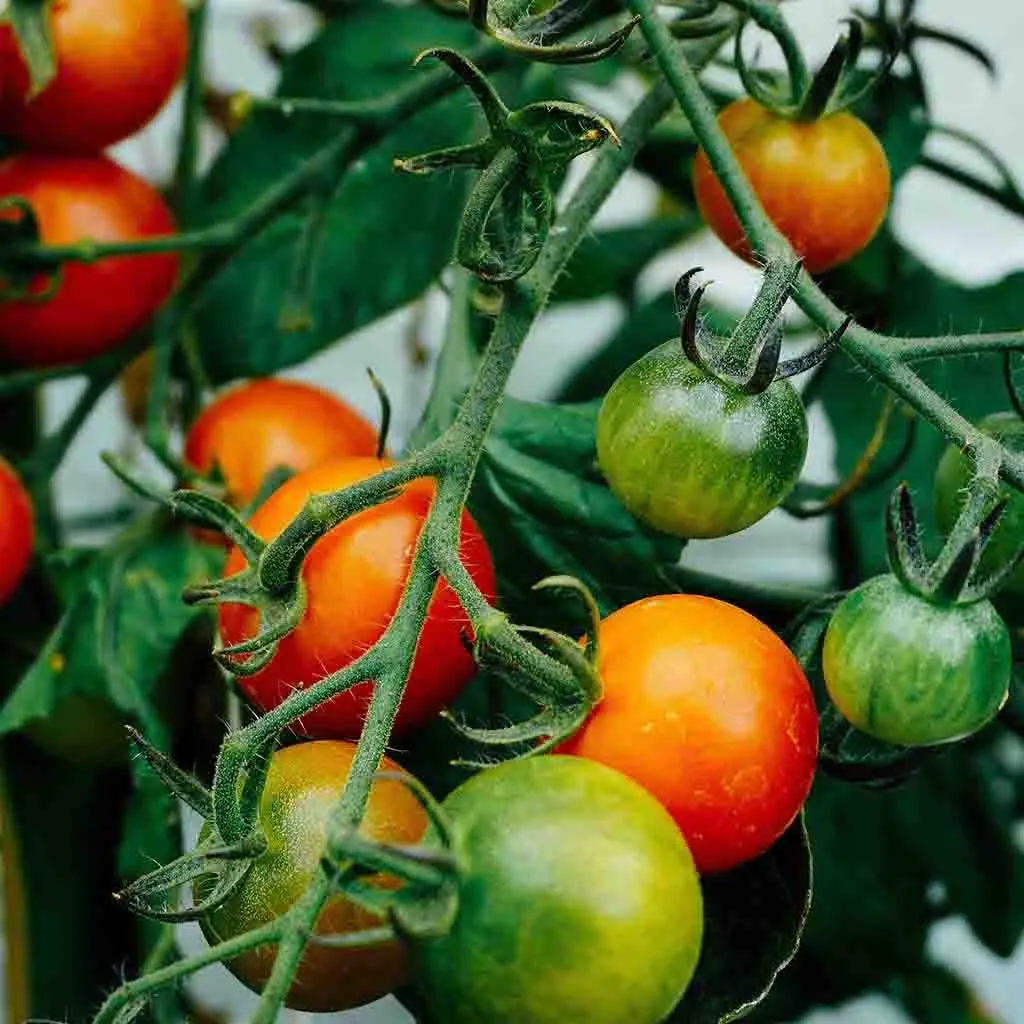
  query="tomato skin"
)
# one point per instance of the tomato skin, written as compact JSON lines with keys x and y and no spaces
{"x":580,"y":901}
{"x":951,"y":480}
{"x":911,"y":672}
{"x":692,"y":456}
{"x":99,"y":303}
{"x":825,"y":184}
{"x":117,"y":63}
{"x":252,"y":428}
{"x":302,"y":788}
{"x":354,"y":577}
{"x":705,"y":707}
{"x":17,"y":530}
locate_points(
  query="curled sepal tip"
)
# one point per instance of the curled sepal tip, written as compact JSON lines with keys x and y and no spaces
{"x":903,"y":540}
{"x":182,"y":784}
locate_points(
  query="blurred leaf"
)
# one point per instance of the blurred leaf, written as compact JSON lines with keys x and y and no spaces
{"x":544,"y":508}
{"x":609,"y":262}
{"x":386,"y":237}
{"x":30,"y":20}
{"x":754,"y":916}
{"x":897,"y":110}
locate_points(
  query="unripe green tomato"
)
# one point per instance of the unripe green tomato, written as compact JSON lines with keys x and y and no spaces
{"x":692,"y":456}
{"x":579,"y":901}
{"x":951,"y":480}
{"x":908,"y":671}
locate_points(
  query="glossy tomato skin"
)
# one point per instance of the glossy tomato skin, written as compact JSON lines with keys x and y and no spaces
{"x":951,"y":480}
{"x":17,"y":530}
{"x":580,"y":901}
{"x":825,"y":184}
{"x":354,"y":577}
{"x":117,"y":63}
{"x":908,"y":671}
{"x":97,"y":304}
{"x":302,"y":789}
{"x":705,"y":707}
{"x":692,"y":456}
{"x":253,"y":428}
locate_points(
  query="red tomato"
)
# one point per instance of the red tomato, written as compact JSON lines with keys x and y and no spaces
{"x":705,"y":707}
{"x":97,"y":304}
{"x":117,"y":62}
{"x":824,"y":183}
{"x":17,"y":530}
{"x":255,"y":427}
{"x":354,"y":577}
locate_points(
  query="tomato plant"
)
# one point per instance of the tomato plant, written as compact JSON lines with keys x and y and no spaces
{"x":824,"y":184}
{"x":571,"y":871}
{"x":691,"y":455}
{"x":253,"y":428}
{"x":910,"y":671}
{"x":16,"y":530}
{"x":354,"y":576}
{"x":392,"y":196}
{"x":95,"y":305}
{"x":117,"y":62}
{"x":706,"y":708}
{"x":302,"y":786}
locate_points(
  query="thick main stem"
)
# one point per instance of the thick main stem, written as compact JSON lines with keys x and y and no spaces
{"x":873,"y":351}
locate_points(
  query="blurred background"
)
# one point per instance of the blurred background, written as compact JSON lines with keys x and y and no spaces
{"x":955,"y":232}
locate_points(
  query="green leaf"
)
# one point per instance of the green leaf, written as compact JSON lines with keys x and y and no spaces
{"x":754,"y":916}
{"x":545,"y":510}
{"x":609,"y":262}
{"x":122,"y":618}
{"x":385,"y":237}
{"x":897,"y":110}
{"x":30,"y":20}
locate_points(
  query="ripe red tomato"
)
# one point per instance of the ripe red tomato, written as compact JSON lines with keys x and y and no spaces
{"x":354,"y":577}
{"x":825,"y":183}
{"x":301,"y":790}
{"x":17,"y":530}
{"x":97,"y":304}
{"x":707,"y":708}
{"x":117,"y":63}
{"x":255,"y":427}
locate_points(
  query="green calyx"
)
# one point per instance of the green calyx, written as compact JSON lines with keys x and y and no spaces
{"x":563,"y":681}
{"x":749,"y":360}
{"x":512,"y":206}
{"x":956,"y":576}
{"x":837,"y":85}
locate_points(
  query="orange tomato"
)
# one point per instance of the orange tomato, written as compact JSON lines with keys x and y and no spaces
{"x":825,"y":183}
{"x":17,"y":530}
{"x":354,"y":578}
{"x":117,"y":63}
{"x":707,"y":709}
{"x":96,"y":304}
{"x":255,"y":427}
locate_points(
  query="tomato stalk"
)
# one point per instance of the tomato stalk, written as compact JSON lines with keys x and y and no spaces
{"x":185,"y":182}
{"x":879,"y":354}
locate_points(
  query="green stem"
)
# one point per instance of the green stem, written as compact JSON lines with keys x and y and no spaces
{"x":769,"y":17}
{"x":185,"y":181}
{"x":941,"y":346}
{"x":873,"y":351}
{"x":1008,"y":200}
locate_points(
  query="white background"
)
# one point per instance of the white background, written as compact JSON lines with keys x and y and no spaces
{"x":963,"y":236}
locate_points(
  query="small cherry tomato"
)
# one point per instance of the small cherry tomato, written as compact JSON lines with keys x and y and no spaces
{"x":354,"y":577}
{"x":824,"y":183}
{"x":117,"y":62}
{"x":579,"y":902}
{"x":17,"y":530}
{"x":705,"y":707}
{"x":253,"y":428}
{"x":96,"y":304}
{"x":692,"y":456}
{"x":301,"y":790}
{"x":906,"y":670}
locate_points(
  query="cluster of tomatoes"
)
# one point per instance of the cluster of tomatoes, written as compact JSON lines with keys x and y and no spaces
{"x":697,"y":758}
{"x":117,"y":63}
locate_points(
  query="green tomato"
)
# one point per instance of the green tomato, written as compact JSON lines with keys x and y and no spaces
{"x":580,"y":901}
{"x":908,"y":671}
{"x":692,"y":456}
{"x":951,"y":480}
{"x":83,"y":728}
